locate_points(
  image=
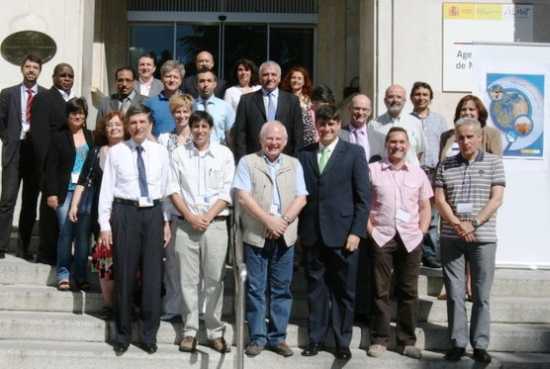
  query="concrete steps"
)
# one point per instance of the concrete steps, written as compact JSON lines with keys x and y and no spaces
{"x":24,"y":354}
{"x":88,"y":328}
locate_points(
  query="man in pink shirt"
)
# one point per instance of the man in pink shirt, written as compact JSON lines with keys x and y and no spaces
{"x":399,"y":218}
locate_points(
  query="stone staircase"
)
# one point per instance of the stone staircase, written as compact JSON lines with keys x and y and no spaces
{"x":41,"y":327}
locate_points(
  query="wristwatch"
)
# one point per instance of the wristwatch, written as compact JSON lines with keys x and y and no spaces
{"x":286,"y":219}
{"x":475,"y":222}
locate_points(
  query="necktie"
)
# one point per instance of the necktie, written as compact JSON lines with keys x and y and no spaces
{"x":271,"y":107}
{"x":144,"y":191}
{"x":30,"y":97}
{"x":323,"y":159}
{"x":205,"y":104}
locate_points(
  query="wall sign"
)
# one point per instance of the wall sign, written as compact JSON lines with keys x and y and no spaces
{"x":17,"y":45}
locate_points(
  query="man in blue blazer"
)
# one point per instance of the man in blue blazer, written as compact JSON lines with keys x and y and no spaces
{"x":18,"y":162}
{"x":331,"y":227}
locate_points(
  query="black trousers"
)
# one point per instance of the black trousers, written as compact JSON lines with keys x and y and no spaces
{"x":20,"y":168}
{"x":364,"y":290}
{"x":331,"y":279}
{"x":137,"y":245}
{"x":393,"y":257}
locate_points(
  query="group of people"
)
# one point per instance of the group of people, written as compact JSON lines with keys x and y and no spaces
{"x":170,"y":159}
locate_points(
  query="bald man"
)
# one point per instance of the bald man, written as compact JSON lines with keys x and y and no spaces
{"x":360,"y":109}
{"x":204,"y":62}
{"x":395,"y":99}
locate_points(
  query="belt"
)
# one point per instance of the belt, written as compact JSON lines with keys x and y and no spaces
{"x":118,"y":200}
{"x":219,"y":218}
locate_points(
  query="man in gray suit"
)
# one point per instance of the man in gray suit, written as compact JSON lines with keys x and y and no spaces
{"x":125,"y":96}
{"x":147,"y":85}
{"x":18,"y":155}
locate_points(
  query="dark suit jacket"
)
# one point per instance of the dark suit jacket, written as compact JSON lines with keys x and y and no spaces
{"x":189,"y":86}
{"x":338,"y":201}
{"x":60,"y":162}
{"x":48,"y":117}
{"x":110,"y":103}
{"x":251,"y":115}
{"x":10,"y":121}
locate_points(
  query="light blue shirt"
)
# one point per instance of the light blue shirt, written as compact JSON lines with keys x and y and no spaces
{"x":243,"y":182}
{"x":275,"y":100}
{"x":222,"y":113}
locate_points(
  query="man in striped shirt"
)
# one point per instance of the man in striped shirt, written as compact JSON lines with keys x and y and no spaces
{"x":469,"y":188}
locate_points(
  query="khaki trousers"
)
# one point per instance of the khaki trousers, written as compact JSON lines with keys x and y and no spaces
{"x":201,"y":258}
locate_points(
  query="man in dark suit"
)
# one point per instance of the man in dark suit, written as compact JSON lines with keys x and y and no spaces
{"x":267,"y":104}
{"x":17,"y":156}
{"x":48,"y":117}
{"x":331,"y":227}
{"x":125,"y":96}
{"x":204,"y":62}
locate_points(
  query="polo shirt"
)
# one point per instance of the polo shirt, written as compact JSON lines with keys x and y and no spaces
{"x":163,"y":121}
{"x":467,"y":182}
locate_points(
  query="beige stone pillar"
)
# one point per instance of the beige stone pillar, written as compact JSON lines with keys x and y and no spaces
{"x":331,"y":59}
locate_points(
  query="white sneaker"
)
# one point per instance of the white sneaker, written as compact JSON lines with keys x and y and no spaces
{"x":376,"y":350}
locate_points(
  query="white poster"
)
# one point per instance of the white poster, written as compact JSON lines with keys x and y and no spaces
{"x":513,"y":81}
{"x":464,"y":23}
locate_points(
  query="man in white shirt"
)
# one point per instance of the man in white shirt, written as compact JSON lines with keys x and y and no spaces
{"x":18,"y":163}
{"x":147,"y":84}
{"x":135,"y":179}
{"x":199,"y":186}
{"x":395,"y":99}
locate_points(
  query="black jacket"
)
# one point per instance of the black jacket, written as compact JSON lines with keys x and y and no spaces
{"x":48,"y":117}
{"x":10,"y":120}
{"x":251,"y":115}
{"x":60,"y":162}
{"x":338,"y":200}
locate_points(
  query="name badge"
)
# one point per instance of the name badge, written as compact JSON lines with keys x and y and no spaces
{"x":402,"y":215}
{"x":274,"y":210}
{"x":464,"y":208}
{"x":145,"y":202}
{"x":74,"y":177}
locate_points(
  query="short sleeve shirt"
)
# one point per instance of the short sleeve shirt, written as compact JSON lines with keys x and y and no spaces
{"x":467,"y":186}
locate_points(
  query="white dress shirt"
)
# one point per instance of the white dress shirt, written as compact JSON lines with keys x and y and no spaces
{"x":330,"y":148}
{"x":121,"y":178}
{"x":145,"y":87}
{"x":414,"y":129}
{"x":25,"y":124}
{"x":66,"y":95}
{"x":233,"y":95}
{"x":202,"y":178}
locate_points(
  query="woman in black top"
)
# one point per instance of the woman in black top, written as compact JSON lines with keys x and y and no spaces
{"x":66,"y":155}
{"x":109,"y":131}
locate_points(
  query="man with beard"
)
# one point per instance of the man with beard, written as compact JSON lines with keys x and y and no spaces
{"x":125,"y":96}
{"x":18,"y":156}
{"x":221,"y":112}
{"x":47,"y":117}
{"x":394,"y":100}
{"x":204,"y":62}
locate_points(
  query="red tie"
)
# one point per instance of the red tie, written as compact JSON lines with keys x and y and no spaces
{"x":30,"y":97}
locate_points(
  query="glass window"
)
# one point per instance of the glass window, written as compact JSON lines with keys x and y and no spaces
{"x":290,"y":46}
{"x":193,"y":38}
{"x":243,"y":41}
{"x":157,"y":39}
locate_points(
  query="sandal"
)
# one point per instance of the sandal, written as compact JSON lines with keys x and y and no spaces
{"x":63,"y":286}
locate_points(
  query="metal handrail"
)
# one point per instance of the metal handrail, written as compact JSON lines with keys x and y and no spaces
{"x":240,"y":275}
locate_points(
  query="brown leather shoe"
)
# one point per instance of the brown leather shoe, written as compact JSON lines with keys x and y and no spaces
{"x":188,"y":344}
{"x":219,"y":345}
{"x":282,"y":349}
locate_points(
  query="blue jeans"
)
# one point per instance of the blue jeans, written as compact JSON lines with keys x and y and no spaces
{"x":68,"y":232}
{"x":270,"y":266}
